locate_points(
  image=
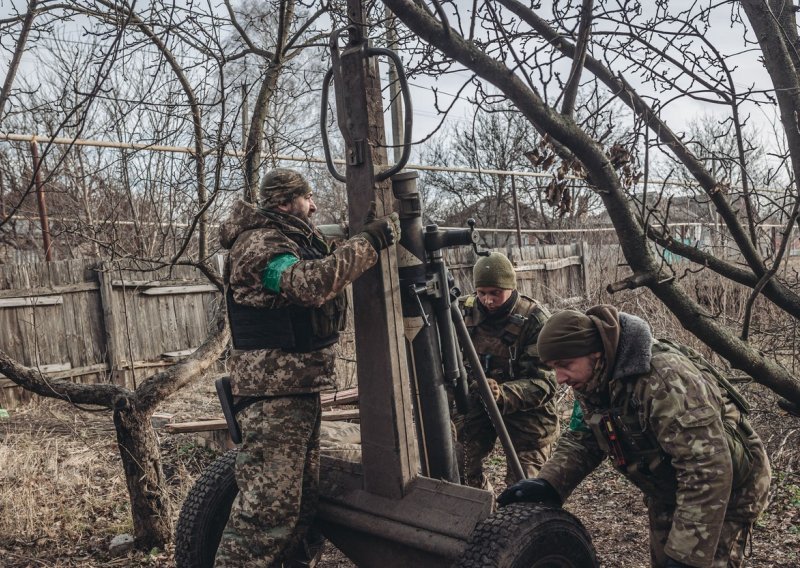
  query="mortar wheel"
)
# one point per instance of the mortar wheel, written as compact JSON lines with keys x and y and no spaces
{"x":205,"y":513}
{"x":527,"y":536}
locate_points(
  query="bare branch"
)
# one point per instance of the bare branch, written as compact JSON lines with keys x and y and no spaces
{"x":584,"y":31}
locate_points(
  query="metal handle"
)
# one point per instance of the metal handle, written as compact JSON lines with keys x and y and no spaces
{"x":323,"y":119}
{"x":401,"y":76}
{"x":486,"y":394}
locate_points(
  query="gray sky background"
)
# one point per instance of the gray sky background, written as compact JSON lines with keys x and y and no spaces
{"x":679,"y":115}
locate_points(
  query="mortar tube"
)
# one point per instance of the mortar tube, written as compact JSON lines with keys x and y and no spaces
{"x":486,"y":393}
{"x":431,"y":404}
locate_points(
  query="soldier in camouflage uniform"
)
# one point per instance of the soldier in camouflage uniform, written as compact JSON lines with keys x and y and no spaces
{"x":504,"y":326}
{"x":669,"y":422}
{"x":286,"y":305}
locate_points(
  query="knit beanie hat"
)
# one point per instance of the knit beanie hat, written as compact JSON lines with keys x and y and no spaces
{"x":280,"y":186}
{"x":494,"y":271}
{"x":568,"y":334}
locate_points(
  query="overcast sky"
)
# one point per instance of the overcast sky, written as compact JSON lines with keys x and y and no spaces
{"x":749,"y":71}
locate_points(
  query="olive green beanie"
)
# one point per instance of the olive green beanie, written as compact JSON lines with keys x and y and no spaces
{"x":494,"y":271}
{"x":280,"y":186}
{"x":568,"y":334}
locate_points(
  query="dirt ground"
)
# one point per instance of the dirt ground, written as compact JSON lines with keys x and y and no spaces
{"x":63,"y":497}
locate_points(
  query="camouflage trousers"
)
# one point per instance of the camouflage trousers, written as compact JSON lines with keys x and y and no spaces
{"x":476,"y":437}
{"x":277,"y":471}
{"x":730,"y":548}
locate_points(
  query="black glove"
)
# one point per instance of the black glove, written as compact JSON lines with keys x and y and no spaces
{"x":380,"y":232}
{"x":534,"y":490}
{"x":672,"y":563}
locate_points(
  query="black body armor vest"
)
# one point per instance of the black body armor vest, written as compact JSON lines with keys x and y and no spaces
{"x":292,"y":328}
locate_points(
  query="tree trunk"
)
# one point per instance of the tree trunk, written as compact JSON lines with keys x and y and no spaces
{"x":141,"y":459}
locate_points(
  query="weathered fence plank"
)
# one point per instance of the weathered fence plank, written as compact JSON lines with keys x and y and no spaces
{"x":70,"y":319}
{"x":552,"y":274}
{"x":110,"y":342}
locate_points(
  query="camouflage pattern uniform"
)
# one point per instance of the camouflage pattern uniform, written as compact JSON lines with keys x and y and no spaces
{"x":506,"y":344}
{"x":277,"y":467}
{"x":681,"y":439}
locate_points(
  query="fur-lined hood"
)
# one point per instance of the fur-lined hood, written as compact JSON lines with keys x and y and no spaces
{"x":635,"y":348}
{"x":246,"y":217}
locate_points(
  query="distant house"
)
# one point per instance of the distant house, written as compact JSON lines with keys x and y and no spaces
{"x":489,"y":214}
{"x":691,"y":220}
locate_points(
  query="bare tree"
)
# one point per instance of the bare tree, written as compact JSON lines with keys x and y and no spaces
{"x":495,"y":140}
{"x":500,"y":138}
{"x":522,"y":54}
{"x":159,"y":77}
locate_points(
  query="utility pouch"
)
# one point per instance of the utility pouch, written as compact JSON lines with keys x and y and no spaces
{"x":513,"y":328}
{"x":741,"y":456}
{"x":330,"y":318}
{"x":607,"y":436}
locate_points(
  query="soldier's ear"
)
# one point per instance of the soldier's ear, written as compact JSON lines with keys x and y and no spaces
{"x":285,"y":206}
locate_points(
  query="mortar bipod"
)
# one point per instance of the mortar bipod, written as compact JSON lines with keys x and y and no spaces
{"x":356,"y":153}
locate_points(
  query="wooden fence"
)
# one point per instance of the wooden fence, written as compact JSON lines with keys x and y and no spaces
{"x":92,"y":322}
{"x":555,"y":275}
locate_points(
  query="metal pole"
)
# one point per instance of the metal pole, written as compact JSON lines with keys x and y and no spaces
{"x":37,"y":180}
{"x":516,"y":210}
{"x":2,"y":199}
{"x":245,"y":117}
{"x":422,"y":330}
{"x":394,"y":90}
{"x":486,"y":393}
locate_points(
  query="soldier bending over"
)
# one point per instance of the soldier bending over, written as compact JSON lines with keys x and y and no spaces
{"x":668,"y":422}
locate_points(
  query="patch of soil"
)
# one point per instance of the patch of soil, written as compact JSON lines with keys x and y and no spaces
{"x":74,"y":517}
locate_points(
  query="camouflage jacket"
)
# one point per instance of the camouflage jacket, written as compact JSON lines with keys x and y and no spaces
{"x":506,"y":346}
{"x":254,"y":238}
{"x":679,"y":437}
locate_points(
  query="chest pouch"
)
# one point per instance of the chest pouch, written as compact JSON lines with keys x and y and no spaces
{"x":634,"y":452}
{"x":331,"y":317}
{"x":741,"y":456}
{"x":607,"y":436}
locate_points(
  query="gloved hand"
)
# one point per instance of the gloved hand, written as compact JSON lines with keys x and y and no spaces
{"x":380,"y":232}
{"x":534,"y":490}
{"x":495,"y":388}
{"x":672,"y":563}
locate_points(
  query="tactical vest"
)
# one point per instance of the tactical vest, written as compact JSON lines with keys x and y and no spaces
{"x":497,"y":348}
{"x":635,"y":451}
{"x":292,"y":328}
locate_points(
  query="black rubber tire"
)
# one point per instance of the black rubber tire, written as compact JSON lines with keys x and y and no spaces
{"x":524,"y":535}
{"x":205,"y":513}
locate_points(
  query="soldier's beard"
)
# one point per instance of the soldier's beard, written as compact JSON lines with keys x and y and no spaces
{"x":594,"y":389}
{"x":305,"y":219}
{"x":303,"y":216}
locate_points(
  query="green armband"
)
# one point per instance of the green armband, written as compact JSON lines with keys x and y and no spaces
{"x":271,"y":277}
{"x":576,"y":423}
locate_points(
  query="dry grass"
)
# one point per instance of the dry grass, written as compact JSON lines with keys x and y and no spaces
{"x":62,"y":491}
{"x":56,"y":486}
{"x":63,"y":498}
